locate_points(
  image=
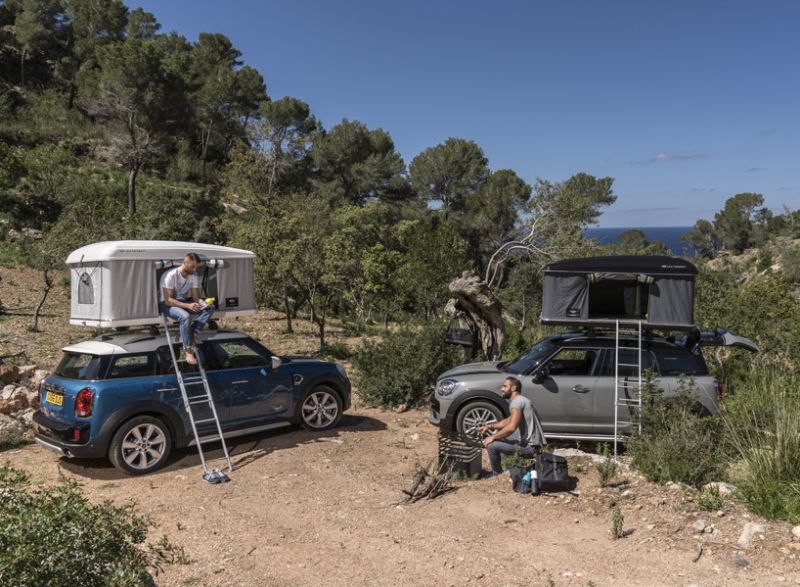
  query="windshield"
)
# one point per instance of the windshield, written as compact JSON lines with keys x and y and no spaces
{"x":80,"y":366}
{"x":524,"y":363}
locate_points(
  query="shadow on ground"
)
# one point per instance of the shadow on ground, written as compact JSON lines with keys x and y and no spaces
{"x":243,"y":450}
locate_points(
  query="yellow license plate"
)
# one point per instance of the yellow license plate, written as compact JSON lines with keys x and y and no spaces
{"x":54,"y":398}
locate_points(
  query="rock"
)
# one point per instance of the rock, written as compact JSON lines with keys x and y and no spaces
{"x":9,"y":374}
{"x":25,"y":417}
{"x":749,"y":529}
{"x":26,"y":371}
{"x":32,"y":397}
{"x":699,"y":525}
{"x":20,"y":397}
{"x":739,"y":561}
{"x":38,"y":375}
{"x":4,"y":407}
{"x":8,"y":391}
{"x":725,"y":489}
{"x":796,"y":532}
{"x":10,"y":429}
{"x":627,"y":493}
{"x":709,"y":529}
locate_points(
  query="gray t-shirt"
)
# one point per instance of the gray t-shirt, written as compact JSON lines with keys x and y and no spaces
{"x":529,"y":431}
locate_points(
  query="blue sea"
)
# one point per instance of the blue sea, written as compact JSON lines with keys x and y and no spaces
{"x":669,"y":235}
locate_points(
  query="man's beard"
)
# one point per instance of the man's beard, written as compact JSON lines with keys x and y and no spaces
{"x":506,"y":394}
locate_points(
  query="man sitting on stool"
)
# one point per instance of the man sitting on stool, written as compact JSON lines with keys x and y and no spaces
{"x":180,"y":299}
{"x":520,"y":433}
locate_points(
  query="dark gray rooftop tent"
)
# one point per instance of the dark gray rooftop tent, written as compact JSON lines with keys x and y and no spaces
{"x":598,"y":291}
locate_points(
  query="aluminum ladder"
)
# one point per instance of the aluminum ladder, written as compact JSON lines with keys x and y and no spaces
{"x":627,"y":393}
{"x":198,"y":399}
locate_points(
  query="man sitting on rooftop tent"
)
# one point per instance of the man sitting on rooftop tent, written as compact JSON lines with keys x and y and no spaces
{"x":180,"y":299}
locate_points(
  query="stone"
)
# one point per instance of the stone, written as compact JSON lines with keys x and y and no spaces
{"x":32,"y":397}
{"x":38,"y":375}
{"x":749,"y":529}
{"x":20,"y":397}
{"x":9,"y":374}
{"x":627,"y":493}
{"x":8,"y":391}
{"x":709,"y":529}
{"x":739,"y":561}
{"x":725,"y":489}
{"x":699,"y":525}
{"x":796,"y":532}
{"x":10,"y":429}
{"x":26,"y":371}
{"x":25,"y":417}
{"x":4,"y":407}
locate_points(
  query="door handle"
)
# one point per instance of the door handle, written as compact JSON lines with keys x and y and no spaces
{"x":581,"y":389}
{"x":238,"y":381}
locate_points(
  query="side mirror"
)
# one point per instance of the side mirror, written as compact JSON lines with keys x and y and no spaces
{"x":541,"y":374}
{"x":276,"y":363}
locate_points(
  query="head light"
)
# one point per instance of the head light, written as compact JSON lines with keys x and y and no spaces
{"x":446,"y":386}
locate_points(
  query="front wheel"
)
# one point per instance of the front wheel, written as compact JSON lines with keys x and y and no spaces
{"x":141,"y":445}
{"x":473,"y":416}
{"x":320,"y":408}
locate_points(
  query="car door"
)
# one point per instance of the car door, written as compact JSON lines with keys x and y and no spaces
{"x":564,"y":399}
{"x":254,"y":392}
{"x":605,"y":392}
{"x":168,"y":386}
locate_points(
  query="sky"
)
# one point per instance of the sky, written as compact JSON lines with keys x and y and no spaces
{"x":684,"y":103}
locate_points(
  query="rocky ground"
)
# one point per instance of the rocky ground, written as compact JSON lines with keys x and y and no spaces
{"x":308,"y":508}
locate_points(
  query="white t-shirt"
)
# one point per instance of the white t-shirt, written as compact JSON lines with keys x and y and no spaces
{"x":182,"y":288}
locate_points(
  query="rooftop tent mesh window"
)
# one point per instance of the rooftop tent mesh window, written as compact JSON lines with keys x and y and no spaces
{"x":85,"y":289}
{"x":618,"y":296}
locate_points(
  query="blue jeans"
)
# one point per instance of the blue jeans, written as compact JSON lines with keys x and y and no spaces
{"x":498,"y":448}
{"x":184,"y":319}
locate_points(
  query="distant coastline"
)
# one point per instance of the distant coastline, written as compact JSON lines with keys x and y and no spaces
{"x":669,"y":235}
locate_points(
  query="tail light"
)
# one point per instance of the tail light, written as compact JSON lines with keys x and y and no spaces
{"x":41,"y":392}
{"x":83,"y":402}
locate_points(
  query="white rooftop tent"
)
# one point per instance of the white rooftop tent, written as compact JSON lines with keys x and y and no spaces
{"x":115,"y":283}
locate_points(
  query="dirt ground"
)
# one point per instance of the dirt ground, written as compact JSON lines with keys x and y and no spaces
{"x":326,"y":508}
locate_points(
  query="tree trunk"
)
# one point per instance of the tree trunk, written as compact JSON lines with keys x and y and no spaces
{"x":48,"y":285}
{"x":132,"y":190}
{"x":477,"y":308}
{"x":288,"y":311}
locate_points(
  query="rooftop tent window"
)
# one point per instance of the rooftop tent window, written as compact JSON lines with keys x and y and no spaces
{"x":618,"y":295}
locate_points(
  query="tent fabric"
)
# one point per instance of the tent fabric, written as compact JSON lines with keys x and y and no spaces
{"x":658,"y":291}
{"x":116,"y":283}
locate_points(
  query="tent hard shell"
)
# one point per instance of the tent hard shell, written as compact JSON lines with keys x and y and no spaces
{"x":599,"y":291}
{"x":116,"y":283}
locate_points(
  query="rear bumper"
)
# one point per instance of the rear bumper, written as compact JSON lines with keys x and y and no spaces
{"x":55,"y":436}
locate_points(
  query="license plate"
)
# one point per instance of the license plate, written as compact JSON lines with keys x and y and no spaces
{"x":54,"y":398}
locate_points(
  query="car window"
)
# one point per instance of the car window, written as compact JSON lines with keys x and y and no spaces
{"x":139,"y":365}
{"x":573,"y":362}
{"x":674,"y":363}
{"x":164,"y":361}
{"x":236,"y":354}
{"x":628,"y":359}
{"x":525,"y":363}
{"x":81,"y":366}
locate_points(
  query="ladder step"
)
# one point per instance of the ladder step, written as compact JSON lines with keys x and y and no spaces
{"x":634,"y":365}
{"x":205,"y":400}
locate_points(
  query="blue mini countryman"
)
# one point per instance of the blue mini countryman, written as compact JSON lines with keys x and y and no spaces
{"x":112,"y":394}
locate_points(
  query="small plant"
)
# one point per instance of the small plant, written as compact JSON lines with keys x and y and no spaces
{"x":710,"y":500}
{"x":607,"y":468}
{"x":617,"y":524}
{"x":513,"y":461}
{"x":335,"y":350}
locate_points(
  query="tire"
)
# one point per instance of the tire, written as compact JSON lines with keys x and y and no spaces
{"x":472,"y":416}
{"x":320,"y":408}
{"x":127,"y":453}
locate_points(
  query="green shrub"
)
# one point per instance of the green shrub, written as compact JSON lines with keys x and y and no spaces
{"x":55,"y":536}
{"x":607,"y":468}
{"x":403,"y":366}
{"x":617,"y":524}
{"x":676,"y":444}
{"x":513,"y":461}
{"x":762,"y":427}
{"x":710,"y":500}
{"x":335,"y":350}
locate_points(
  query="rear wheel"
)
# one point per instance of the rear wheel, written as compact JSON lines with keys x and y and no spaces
{"x":320,"y":408}
{"x":141,"y":445}
{"x":473,"y":416}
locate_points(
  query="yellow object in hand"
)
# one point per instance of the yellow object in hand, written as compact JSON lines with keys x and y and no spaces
{"x":210,"y":301}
